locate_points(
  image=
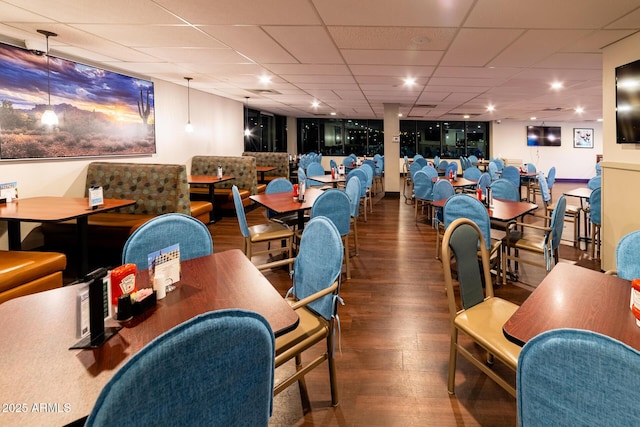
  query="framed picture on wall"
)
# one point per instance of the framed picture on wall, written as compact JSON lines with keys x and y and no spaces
{"x":582,"y":138}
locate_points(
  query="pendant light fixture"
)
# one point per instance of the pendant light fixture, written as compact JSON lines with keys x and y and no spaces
{"x":189,"y":127}
{"x":49,"y":117}
{"x":247,"y":131}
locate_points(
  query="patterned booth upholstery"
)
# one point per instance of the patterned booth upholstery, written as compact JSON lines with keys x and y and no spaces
{"x":157,"y":189}
{"x":279,"y":160}
{"x":243,"y":169}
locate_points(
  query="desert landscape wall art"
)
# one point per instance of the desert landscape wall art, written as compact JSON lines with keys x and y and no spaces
{"x":100,"y":112}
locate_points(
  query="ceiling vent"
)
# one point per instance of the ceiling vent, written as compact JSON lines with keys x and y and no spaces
{"x":558,"y":109}
{"x":425,"y":106}
{"x":264,"y":91}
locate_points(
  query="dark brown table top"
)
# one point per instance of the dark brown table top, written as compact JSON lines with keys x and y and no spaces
{"x":263,"y":169}
{"x":36,"y":365}
{"x":576,"y":297}
{"x":54,"y":208}
{"x":208,"y":179}
{"x":501,"y":210}
{"x":458,"y":182}
{"x":284,"y":202}
{"x":326,"y":179}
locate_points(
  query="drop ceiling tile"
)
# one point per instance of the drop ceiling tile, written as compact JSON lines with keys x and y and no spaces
{"x":251,"y":41}
{"x":391,"y":57}
{"x":309,"y":45}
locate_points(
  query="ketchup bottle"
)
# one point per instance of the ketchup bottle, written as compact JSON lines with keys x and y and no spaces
{"x":479,"y":192}
{"x":635,"y":299}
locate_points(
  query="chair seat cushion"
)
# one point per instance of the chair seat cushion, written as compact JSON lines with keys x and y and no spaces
{"x":310,"y":330}
{"x":483,"y":322}
{"x":269,"y":231}
{"x":528,"y":242}
{"x":20,"y":267}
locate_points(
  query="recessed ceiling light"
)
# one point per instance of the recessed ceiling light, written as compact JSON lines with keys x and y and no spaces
{"x":315,"y":104}
{"x":399,"y":114}
{"x":556,"y":85}
{"x":491,"y":107}
{"x":409,"y":81}
{"x":532,"y":118}
{"x":579,"y":110}
{"x":265,"y":79}
{"x":333,"y":113}
{"x":466,"y":116}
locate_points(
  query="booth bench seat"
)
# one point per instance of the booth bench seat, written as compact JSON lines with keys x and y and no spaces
{"x":27,"y":272}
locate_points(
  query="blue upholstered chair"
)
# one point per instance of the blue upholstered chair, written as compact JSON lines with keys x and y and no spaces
{"x":473,"y":159}
{"x":352,"y":190}
{"x":451,"y":169}
{"x":483,"y":182}
{"x":512,"y":174}
{"x":362,"y":177}
{"x":595,"y":217}
{"x":314,"y":297}
{"x":442,"y":189}
{"x":333,"y":164}
{"x":314,"y":169}
{"x":499,"y":163}
{"x":216,"y":369}
{"x":595,"y":182}
{"x":261,"y":233}
{"x":282,"y":185}
{"x":570,"y":377}
{"x":542,"y":240}
{"x":442,"y":166}
{"x":472,"y":172}
{"x":436,"y":161}
{"x":335,"y":205}
{"x":467,"y":206}
{"x":369,"y":173}
{"x":534,"y":188}
{"x":430,"y":171}
{"x":481,"y":315}
{"x":421,"y":161}
{"x":302,"y":177}
{"x":163,"y":231}
{"x":598,"y":169}
{"x":493,"y":171}
{"x":627,"y":256}
{"x":422,"y":191}
{"x":504,"y":189}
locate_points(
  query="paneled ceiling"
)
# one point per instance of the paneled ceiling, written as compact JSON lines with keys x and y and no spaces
{"x":350,"y":56}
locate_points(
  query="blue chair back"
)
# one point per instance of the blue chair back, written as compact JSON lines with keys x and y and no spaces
{"x":278,"y":185}
{"x":335,"y":205}
{"x":595,"y":206}
{"x":420,"y":161}
{"x":379,"y":166}
{"x":512,"y":174}
{"x":369,"y":172}
{"x":371,"y":164}
{"x":570,"y":377}
{"x":531,"y":167}
{"x":598,"y":169}
{"x":436,"y":161}
{"x":318,"y":263}
{"x":352,"y":189}
{"x":551,"y":177}
{"x":163,"y":231}
{"x":627,"y":256}
{"x":348,"y":161}
{"x":362,"y":177}
{"x":242,"y":218}
{"x":472,"y":172}
{"x":443,"y":165}
{"x":557,"y":222}
{"x":595,"y":182}
{"x":504,"y":189}
{"x":216,"y":369}
{"x":499,"y":163}
{"x":422,"y":186}
{"x":430,"y":171}
{"x":418,"y":156}
{"x":443,"y":189}
{"x":473,"y":159}
{"x":493,"y":170}
{"x":413,"y":168}
{"x":466,"y":206}
{"x":315,"y":169}
{"x":452,"y":168}
{"x":544,"y":188}
{"x":302,"y":176}
{"x":333,"y":164}
{"x":483,"y":182}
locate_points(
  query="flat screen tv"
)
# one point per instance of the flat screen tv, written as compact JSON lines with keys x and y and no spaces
{"x":543,"y":136}
{"x":100,"y":112}
{"x":628,"y":103}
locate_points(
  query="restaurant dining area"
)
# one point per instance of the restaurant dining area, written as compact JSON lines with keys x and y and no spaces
{"x":319,"y":214}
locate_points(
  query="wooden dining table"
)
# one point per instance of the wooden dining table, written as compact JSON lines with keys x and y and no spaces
{"x":582,"y":193}
{"x":576,"y":297}
{"x":501,"y":210}
{"x":285,"y":202}
{"x":264,"y":169}
{"x":56,"y":209}
{"x":37,"y":368}
{"x":210,"y":181}
{"x":328,"y":179}
{"x":458,"y":183}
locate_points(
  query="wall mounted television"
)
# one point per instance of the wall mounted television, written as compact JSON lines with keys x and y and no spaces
{"x":628,"y":103}
{"x":100,"y":112}
{"x":544,"y":136}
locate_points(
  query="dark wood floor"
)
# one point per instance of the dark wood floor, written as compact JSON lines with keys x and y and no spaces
{"x":394,"y":341}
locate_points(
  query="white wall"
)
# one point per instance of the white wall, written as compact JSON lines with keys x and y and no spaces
{"x":218,"y":127}
{"x":509,"y":140}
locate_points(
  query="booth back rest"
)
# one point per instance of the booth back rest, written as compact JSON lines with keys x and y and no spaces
{"x":243,"y":170}
{"x":157,"y":188}
{"x":279,"y":160}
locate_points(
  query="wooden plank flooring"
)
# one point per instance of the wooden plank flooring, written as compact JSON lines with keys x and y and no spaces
{"x":393,"y":348}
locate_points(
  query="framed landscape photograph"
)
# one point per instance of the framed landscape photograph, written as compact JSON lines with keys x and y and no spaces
{"x":100,"y":112}
{"x":582,"y":138}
